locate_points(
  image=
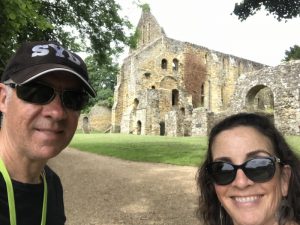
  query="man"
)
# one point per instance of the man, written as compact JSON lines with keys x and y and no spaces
{"x":42,"y":90}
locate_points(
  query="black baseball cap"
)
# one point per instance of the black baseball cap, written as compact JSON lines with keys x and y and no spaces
{"x":34,"y":59}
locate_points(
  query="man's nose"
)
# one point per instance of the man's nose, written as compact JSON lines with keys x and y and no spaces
{"x":55,"y":108}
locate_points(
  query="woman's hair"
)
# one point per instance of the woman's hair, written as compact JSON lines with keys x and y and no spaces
{"x":210,"y":211}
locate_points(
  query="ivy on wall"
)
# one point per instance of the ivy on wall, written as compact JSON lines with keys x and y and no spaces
{"x":194,"y":77}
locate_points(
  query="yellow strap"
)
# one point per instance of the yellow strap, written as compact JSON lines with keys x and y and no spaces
{"x":11,"y":198}
{"x":10,"y":194}
{"x":44,"y":210}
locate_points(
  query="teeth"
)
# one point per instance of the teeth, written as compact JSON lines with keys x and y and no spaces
{"x":246,"y":199}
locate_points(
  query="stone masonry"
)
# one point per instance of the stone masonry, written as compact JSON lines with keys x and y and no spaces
{"x":283,"y":81}
{"x":169,"y":87}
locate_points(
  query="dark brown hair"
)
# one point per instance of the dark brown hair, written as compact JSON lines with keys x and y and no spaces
{"x":210,"y":211}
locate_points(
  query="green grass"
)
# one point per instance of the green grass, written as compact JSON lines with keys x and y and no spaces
{"x":294,"y":142}
{"x":160,"y":149}
{"x":187,"y":151}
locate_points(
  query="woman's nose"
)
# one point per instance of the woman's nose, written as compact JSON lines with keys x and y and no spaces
{"x":241,"y":180}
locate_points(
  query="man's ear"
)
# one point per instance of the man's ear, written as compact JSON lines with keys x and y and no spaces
{"x":3,"y":97}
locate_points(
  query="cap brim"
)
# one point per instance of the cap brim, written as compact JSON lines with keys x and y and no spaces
{"x":31,"y":73}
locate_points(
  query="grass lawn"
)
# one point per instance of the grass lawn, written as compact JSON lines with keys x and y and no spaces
{"x":188,"y":151}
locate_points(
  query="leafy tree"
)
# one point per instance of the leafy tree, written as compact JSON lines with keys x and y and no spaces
{"x":90,"y":25}
{"x":280,"y":9}
{"x":15,"y":15}
{"x":103,"y":78}
{"x":293,"y":53}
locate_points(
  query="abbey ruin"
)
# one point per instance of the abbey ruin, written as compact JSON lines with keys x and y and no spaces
{"x":174,"y":88}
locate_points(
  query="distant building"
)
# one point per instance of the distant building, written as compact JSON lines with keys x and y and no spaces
{"x":169,"y":87}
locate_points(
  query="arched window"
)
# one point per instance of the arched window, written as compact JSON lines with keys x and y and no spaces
{"x":175,"y":97}
{"x":239,"y":68}
{"x":202,"y":95}
{"x":222,"y":94}
{"x":224,"y":64}
{"x":175,"y":65}
{"x":147,"y":74}
{"x":164,"y":64}
{"x":144,"y":33}
{"x":206,"y":56}
{"x":135,"y":103}
{"x":149,"y":31}
{"x":182,"y":110}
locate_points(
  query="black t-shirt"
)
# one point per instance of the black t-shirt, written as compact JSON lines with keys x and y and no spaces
{"x":29,"y":201}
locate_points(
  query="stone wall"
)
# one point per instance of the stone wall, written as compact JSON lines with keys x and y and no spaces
{"x":98,"y":119}
{"x":284,"y":83}
{"x":158,"y":86}
{"x":200,"y":122}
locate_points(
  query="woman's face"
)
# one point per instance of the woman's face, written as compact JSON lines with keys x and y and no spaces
{"x":247,"y":202}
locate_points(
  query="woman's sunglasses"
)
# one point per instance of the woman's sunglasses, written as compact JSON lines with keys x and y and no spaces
{"x":259,"y":170}
{"x":42,"y":94}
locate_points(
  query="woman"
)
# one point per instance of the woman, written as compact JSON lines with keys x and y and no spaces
{"x":250,"y":175}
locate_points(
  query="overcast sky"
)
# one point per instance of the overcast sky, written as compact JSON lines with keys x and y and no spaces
{"x":208,"y":23}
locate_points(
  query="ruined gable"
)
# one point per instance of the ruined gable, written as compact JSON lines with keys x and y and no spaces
{"x":148,"y":29}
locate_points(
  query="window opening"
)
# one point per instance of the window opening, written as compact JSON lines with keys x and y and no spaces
{"x":202,"y":95}
{"x":175,"y":97}
{"x":164,"y":64}
{"x":175,"y":64}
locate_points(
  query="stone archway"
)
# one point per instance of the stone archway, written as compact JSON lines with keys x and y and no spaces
{"x":283,"y":82}
{"x":260,"y":98}
{"x":168,"y":82}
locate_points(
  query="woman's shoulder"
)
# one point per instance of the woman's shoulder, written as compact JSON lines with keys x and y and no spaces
{"x":293,"y":223}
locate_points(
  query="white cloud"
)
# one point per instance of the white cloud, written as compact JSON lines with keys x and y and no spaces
{"x":209,"y":23}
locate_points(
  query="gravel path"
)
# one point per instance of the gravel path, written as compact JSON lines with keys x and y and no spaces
{"x":101,"y":190}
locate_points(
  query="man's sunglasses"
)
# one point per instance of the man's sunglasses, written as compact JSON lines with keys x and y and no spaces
{"x":42,"y":94}
{"x":259,"y":170}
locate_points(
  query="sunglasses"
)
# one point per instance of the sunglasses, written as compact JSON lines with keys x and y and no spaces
{"x":259,"y":170}
{"x":42,"y":94}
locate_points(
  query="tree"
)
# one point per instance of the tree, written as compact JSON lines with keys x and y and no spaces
{"x":280,"y":9}
{"x":293,"y":53}
{"x":103,"y":78}
{"x":93,"y":26}
{"x":14,"y":17}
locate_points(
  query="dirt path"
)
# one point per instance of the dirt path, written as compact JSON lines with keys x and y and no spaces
{"x":106,"y":191}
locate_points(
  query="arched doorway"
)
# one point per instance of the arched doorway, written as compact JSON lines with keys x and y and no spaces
{"x":139,"y":128}
{"x":175,"y":97}
{"x":162,"y":128}
{"x":85,"y":125}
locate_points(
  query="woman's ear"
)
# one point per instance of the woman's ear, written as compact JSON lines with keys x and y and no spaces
{"x":3,"y":97}
{"x":286,"y":173}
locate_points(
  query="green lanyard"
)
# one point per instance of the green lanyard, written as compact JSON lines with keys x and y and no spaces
{"x":11,"y":198}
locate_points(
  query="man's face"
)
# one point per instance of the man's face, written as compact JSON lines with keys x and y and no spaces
{"x":40,"y":132}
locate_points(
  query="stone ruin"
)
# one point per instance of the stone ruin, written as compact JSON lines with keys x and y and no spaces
{"x":174,"y":88}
